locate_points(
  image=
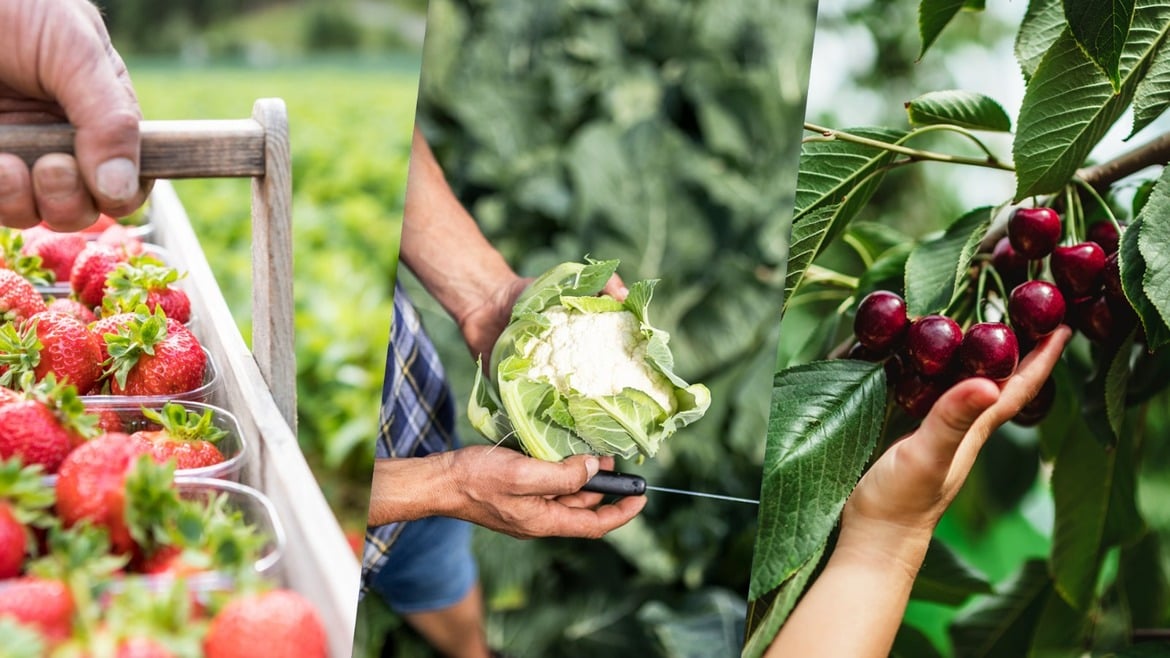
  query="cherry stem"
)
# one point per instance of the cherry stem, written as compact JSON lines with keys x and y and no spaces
{"x":979,"y":294}
{"x":828,"y":135}
{"x":991,"y":157}
{"x":1085,"y":185}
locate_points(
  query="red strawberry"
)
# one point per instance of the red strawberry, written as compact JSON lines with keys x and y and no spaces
{"x":24,"y":500}
{"x":19,"y":300}
{"x":50,"y":343}
{"x":43,"y":604}
{"x":91,"y":485}
{"x":13,"y":543}
{"x":151,"y":354}
{"x":93,"y":265}
{"x":72,"y":307}
{"x":145,"y":280}
{"x":276,"y":624}
{"x":188,"y":437}
{"x":108,"y":420}
{"x":103,"y":223}
{"x":120,"y":236}
{"x":43,"y":426}
{"x":57,"y":251}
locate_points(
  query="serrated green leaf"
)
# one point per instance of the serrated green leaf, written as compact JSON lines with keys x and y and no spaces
{"x":1101,"y":28}
{"x":829,"y":170}
{"x":957,"y":107}
{"x":1001,"y":625}
{"x":1116,"y":380}
{"x":1152,"y":96}
{"x":936,"y":268}
{"x":767,"y":615}
{"x":1133,"y":273}
{"x":1070,"y":103}
{"x":933,"y":16}
{"x":874,"y":238}
{"x":824,"y":421}
{"x":1093,"y":493}
{"x":1042,"y":24}
{"x":1153,"y":236}
{"x":945,"y":578}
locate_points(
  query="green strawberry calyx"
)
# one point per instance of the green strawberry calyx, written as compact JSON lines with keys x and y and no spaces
{"x":24,"y":491}
{"x":152,"y":501}
{"x":129,"y":284}
{"x":20,"y":351}
{"x":64,"y":401}
{"x":136,"y":337}
{"x":185,"y":425}
{"x":29,"y":267}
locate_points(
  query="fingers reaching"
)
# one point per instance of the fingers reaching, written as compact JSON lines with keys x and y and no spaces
{"x":616,"y":288}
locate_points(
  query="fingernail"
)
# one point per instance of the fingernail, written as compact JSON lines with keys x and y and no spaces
{"x":624,"y":291}
{"x":592,"y":465}
{"x":117,"y":179}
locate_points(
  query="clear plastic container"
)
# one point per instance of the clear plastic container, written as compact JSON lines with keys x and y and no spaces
{"x":204,"y":393}
{"x":233,"y":446}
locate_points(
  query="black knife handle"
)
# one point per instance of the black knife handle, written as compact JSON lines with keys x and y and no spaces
{"x":617,"y":484}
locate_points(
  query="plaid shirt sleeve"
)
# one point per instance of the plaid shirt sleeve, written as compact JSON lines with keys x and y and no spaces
{"x":417,"y":416}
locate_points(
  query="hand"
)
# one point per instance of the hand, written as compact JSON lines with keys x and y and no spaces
{"x":59,"y":66}
{"x":505,"y":491}
{"x":911,"y":485}
{"x":483,"y":325}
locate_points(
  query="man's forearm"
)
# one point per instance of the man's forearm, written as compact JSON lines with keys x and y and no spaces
{"x":406,"y":489}
{"x":442,"y":244}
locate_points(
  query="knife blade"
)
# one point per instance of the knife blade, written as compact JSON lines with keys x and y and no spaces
{"x":628,"y":484}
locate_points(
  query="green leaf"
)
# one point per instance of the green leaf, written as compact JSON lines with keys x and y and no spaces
{"x":1070,"y":103}
{"x":871,"y":239}
{"x":1060,"y":630}
{"x":1042,"y":25}
{"x":1143,"y":650}
{"x":945,"y":578}
{"x":1133,"y":273}
{"x":1152,"y":240}
{"x":1093,"y":493}
{"x":1152,"y":96}
{"x":1116,"y":380}
{"x":937,"y":268}
{"x":767,"y":614}
{"x":888,"y":272}
{"x":913,"y":643}
{"x":1141,"y":581}
{"x":829,"y":170}
{"x":967,"y":109}
{"x":933,"y":16}
{"x":1001,"y":625}
{"x":1101,"y":28}
{"x":975,"y":5}
{"x":824,"y":421}
{"x":710,"y":623}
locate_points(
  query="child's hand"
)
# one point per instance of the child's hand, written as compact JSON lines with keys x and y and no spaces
{"x":910,"y":486}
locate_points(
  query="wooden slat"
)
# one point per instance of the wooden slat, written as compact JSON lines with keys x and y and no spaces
{"x":317,"y":562}
{"x":170,"y":149}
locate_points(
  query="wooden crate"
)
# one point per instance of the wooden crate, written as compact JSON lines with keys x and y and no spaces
{"x":258,"y":386}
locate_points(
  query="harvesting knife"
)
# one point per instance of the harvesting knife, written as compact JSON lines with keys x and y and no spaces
{"x":628,"y":484}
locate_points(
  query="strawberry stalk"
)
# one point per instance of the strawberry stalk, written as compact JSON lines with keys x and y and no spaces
{"x":133,"y":339}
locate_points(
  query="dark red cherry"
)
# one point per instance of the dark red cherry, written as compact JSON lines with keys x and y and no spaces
{"x":1038,"y":407}
{"x":989,"y":349}
{"x":881,"y":321}
{"x":1078,"y":269}
{"x":1010,"y":265}
{"x":1105,"y":234}
{"x":931,"y":344}
{"x":1094,"y":318}
{"x":1111,"y":282}
{"x":1036,"y":308}
{"x":1034,"y":232}
{"x":917,"y":394}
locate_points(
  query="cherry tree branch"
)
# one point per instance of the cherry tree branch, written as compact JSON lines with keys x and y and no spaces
{"x":1154,"y":152}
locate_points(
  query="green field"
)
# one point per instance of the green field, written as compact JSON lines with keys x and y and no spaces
{"x":350,"y":123}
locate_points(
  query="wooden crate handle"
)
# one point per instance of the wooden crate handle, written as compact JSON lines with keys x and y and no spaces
{"x":257,"y":148}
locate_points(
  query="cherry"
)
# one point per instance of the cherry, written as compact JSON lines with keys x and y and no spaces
{"x":1038,"y":407}
{"x":1078,"y":269}
{"x":1034,"y":232}
{"x":881,"y":321}
{"x":931,"y":344}
{"x":989,"y":349}
{"x":1094,"y":318}
{"x":1111,"y":281}
{"x":1105,"y":234}
{"x":1036,"y":308}
{"x":1009,"y":264}
{"x":916,"y":394}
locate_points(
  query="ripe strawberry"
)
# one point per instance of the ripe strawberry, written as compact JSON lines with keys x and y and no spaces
{"x":92,"y":485}
{"x":45,"y":425}
{"x":24,"y":500}
{"x":72,"y":307}
{"x":57,"y":251}
{"x":19,"y":300}
{"x":276,"y":624}
{"x":102,"y":223}
{"x":150,"y":354}
{"x":13,"y":257}
{"x":145,"y":280}
{"x":187,"y":437}
{"x":50,"y":343}
{"x":43,"y":604}
{"x":93,"y":265}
